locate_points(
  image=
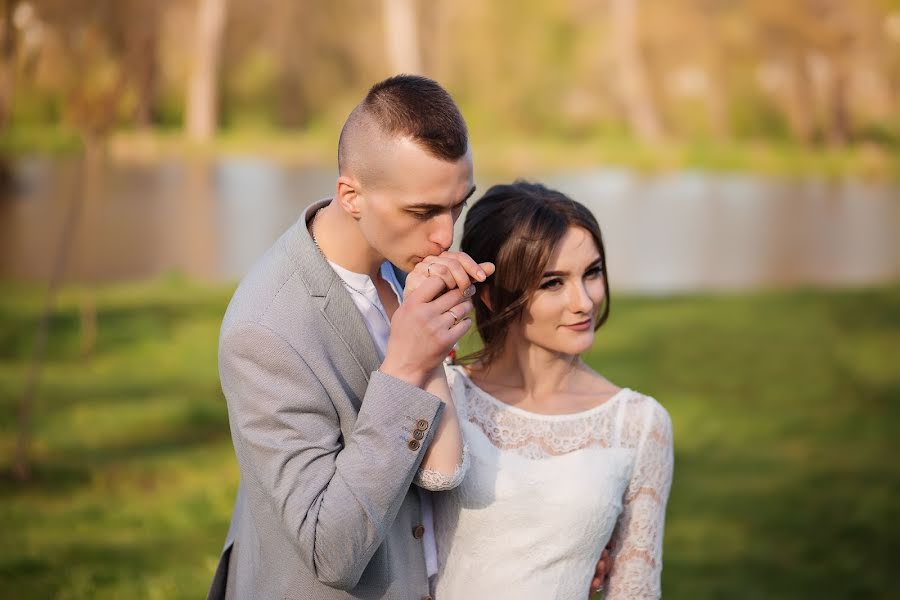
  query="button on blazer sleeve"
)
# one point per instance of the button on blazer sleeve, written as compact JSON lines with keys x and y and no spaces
{"x":336,"y":498}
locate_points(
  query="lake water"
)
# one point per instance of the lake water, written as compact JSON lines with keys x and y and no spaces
{"x":678,"y":232}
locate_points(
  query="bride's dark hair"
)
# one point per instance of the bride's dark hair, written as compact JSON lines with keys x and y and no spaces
{"x":516,"y":227}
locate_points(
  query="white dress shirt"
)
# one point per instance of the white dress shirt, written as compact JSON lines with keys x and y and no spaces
{"x":365,"y":296}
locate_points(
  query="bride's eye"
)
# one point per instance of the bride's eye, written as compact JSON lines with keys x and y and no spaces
{"x":551,"y":284}
{"x":594,"y":272}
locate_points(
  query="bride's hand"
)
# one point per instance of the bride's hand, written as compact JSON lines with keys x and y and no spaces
{"x":601,"y":572}
{"x":456,"y":269}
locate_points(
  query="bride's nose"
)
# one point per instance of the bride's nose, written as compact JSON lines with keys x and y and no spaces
{"x":579,"y":299}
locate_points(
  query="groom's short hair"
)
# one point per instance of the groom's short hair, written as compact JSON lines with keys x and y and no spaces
{"x":407,"y":106}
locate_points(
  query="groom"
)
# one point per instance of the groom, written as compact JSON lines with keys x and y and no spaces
{"x":329,"y":417}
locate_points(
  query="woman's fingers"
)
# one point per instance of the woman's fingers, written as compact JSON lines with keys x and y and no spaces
{"x":454,"y":269}
{"x":435,"y":267}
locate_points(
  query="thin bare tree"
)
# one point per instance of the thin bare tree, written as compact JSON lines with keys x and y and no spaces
{"x":202,"y":113}
{"x":634,"y":88}
{"x":402,"y":36}
{"x":7,"y":59}
{"x":90,"y":42}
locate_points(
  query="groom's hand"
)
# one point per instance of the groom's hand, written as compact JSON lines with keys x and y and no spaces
{"x":601,"y":572}
{"x":455,"y":269}
{"x":424,"y":329}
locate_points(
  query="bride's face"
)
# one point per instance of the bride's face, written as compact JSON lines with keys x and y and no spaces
{"x":562,"y":313}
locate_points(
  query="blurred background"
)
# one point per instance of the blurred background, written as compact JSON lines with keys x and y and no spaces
{"x":742,"y":156}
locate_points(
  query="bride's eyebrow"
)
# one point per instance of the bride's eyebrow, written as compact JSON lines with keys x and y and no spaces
{"x":596,"y":263}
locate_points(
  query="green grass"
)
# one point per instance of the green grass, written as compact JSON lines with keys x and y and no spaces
{"x":785,"y":407}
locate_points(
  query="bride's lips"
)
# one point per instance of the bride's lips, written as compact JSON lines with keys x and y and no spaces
{"x":582,"y":326}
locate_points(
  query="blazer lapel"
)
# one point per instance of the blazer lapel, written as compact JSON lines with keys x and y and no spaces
{"x":336,"y":305}
{"x":342,"y":314}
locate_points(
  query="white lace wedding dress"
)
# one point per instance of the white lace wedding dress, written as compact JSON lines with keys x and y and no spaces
{"x":543,"y":494}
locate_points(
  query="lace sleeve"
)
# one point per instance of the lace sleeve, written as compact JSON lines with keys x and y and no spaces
{"x":638,"y":536}
{"x":436,"y":481}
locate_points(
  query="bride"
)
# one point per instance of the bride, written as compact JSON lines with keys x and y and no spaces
{"x":557,"y":460}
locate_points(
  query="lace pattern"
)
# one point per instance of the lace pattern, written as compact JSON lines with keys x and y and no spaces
{"x":539,"y":436}
{"x":628,"y":509}
{"x":638,"y":537}
{"x":436,"y":481}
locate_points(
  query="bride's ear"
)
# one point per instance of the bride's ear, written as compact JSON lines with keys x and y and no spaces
{"x":485,"y":296}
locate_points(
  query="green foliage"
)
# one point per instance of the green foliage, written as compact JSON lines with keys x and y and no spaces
{"x":526,"y":72}
{"x":48,"y":140}
{"x":785,"y":407}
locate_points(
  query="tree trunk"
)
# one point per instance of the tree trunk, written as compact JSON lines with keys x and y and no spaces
{"x":92,"y":204}
{"x":7,"y":61}
{"x":22,"y":458}
{"x":202,"y":102}
{"x":634,"y":89}
{"x":717,"y":103}
{"x":401,"y":35}
{"x":292,"y":24}
{"x":147,"y":67}
{"x":800,"y":106}
{"x":839,"y":122}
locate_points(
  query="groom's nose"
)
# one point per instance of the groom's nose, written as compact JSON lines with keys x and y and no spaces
{"x":442,"y":231}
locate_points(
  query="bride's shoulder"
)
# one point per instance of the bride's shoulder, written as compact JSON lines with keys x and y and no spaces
{"x":640,"y":401}
{"x":458,"y":379}
{"x":645,"y":414}
{"x":455,"y":372}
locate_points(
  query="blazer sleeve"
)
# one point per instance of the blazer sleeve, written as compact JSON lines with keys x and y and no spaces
{"x":336,"y":498}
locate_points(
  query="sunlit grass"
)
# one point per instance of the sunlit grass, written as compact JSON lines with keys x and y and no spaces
{"x":785,"y":405}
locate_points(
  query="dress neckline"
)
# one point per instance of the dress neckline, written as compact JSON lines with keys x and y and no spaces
{"x":536,"y":415}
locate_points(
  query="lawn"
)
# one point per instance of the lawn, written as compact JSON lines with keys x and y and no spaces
{"x":785,"y":407}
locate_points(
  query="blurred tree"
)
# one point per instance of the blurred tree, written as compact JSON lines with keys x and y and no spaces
{"x":636,"y":98}
{"x":143,"y":57}
{"x":806,"y":70}
{"x":291,"y":23}
{"x":7,"y":77}
{"x":836,"y":40}
{"x":89,"y":39}
{"x":784,"y":31}
{"x":709,"y":22}
{"x":202,"y":101}
{"x":7,"y":59}
{"x":439,"y":28}
{"x":815,"y":48}
{"x":402,"y":36}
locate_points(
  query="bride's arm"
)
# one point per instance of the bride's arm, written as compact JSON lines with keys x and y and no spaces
{"x":638,"y":537}
{"x":445,"y":462}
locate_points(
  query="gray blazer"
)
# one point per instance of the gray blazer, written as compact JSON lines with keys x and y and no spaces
{"x":325,"y":442}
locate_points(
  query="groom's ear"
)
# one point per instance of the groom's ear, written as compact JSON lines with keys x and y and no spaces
{"x":347,"y":194}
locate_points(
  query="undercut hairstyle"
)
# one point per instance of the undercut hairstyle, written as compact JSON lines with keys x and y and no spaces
{"x":517,"y":227}
{"x":406,"y":106}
